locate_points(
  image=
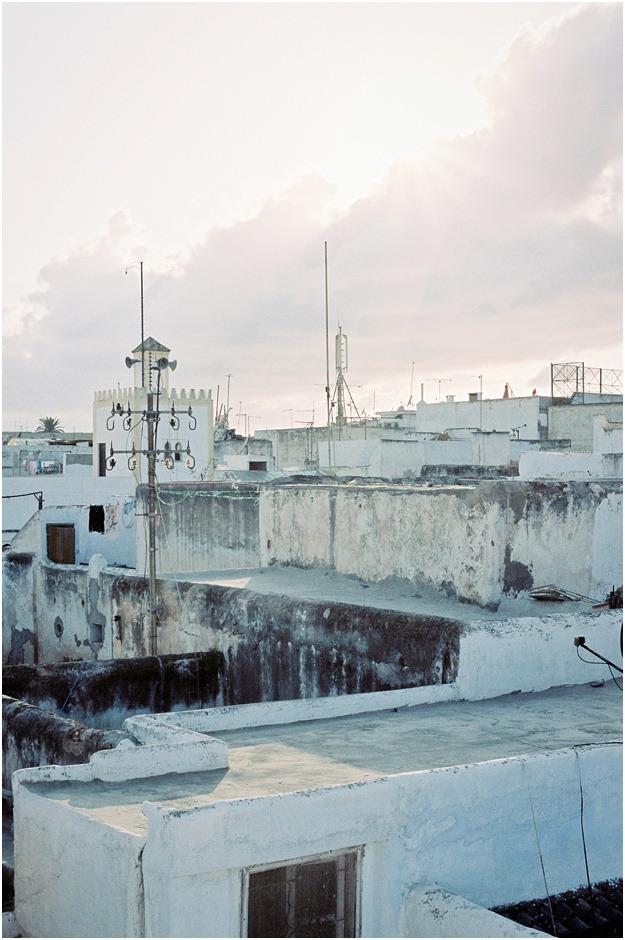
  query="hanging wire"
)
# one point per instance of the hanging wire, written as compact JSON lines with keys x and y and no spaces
{"x":581,"y":821}
{"x":540,"y":854}
{"x":615,"y":679}
{"x":76,"y":680}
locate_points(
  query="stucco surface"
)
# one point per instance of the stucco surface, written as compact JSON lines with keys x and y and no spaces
{"x":355,"y":749}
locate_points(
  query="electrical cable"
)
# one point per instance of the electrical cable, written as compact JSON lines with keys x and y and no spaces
{"x":540,"y":854}
{"x":581,"y":820}
{"x":615,"y":679}
{"x":589,"y":662}
{"x":69,"y":694}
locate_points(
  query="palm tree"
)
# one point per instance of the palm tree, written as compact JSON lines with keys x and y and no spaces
{"x":50,"y":425}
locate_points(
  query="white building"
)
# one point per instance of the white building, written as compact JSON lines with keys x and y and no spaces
{"x":394,"y":456}
{"x":524,"y":418}
{"x":286,"y":819}
{"x":184,"y":433}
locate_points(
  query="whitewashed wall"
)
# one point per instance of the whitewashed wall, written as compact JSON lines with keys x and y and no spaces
{"x":467,"y":828}
{"x":200,"y":439}
{"x":472,"y":829}
{"x":461,"y":540}
{"x":73,"y":876}
{"x":58,"y":491}
{"x":607,"y":436}
{"x":393,"y":458}
{"x":576,"y":422}
{"x":537,"y":465}
{"x":529,"y":414}
{"x":116,"y":543}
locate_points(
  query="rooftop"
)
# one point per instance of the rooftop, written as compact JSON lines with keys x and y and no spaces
{"x":318,"y":584}
{"x":359,"y":748}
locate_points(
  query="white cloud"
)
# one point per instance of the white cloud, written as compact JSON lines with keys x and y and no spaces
{"x":499,"y":253}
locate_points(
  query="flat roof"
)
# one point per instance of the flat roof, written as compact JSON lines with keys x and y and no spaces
{"x":358,"y":748}
{"x":398,"y":594}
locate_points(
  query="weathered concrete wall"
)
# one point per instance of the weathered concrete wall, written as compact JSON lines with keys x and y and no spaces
{"x":32,"y":737}
{"x":116,"y":543}
{"x":103,"y":695}
{"x":474,"y":543}
{"x":19,"y":635}
{"x":201,"y":526}
{"x":53,"y":613}
{"x":58,"y":491}
{"x":577,"y":422}
{"x":269,"y":648}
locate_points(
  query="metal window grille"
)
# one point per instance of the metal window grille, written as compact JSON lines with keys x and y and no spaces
{"x":308,"y":899}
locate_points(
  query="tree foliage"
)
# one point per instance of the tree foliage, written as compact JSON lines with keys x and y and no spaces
{"x":50,"y":425}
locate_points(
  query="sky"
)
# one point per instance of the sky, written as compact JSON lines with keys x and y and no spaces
{"x":462,"y":161}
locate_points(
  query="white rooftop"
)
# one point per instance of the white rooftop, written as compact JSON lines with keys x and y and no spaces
{"x":358,"y":748}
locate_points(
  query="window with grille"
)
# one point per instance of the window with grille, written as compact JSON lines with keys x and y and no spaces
{"x":314,"y":898}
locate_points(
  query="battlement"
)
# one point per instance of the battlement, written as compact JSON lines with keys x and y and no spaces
{"x":138,"y":396}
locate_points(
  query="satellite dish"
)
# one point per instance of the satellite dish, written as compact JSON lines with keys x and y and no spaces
{"x":130,"y":362}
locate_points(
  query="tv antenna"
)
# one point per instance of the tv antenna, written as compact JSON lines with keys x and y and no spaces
{"x":139,"y":264}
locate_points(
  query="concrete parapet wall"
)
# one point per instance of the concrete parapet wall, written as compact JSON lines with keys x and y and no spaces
{"x":260,"y":648}
{"x":576,"y":422}
{"x":443,"y":825}
{"x":202,"y":526}
{"x":102,"y":695}
{"x":474,"y":543}
{"x":32,"y":737}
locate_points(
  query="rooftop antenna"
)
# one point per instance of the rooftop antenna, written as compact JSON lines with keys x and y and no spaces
{"x":328,"y":360}
{"x":134,"y":264}
{"x":411,"y":380}
{"x":480,"y":377}
{"x":341,"y":382}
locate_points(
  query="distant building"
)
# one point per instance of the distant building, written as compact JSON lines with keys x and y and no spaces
{"x":185,"y":427}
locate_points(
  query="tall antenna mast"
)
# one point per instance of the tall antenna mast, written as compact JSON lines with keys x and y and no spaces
{"x":328,"y":360}
{"x":142,"y":335}
{"x":411,"y":379}
{"x":133,"y":264}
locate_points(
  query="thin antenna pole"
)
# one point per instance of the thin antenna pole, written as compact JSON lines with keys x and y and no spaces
{"x":327,"y":358}
{"x":142,"y":336}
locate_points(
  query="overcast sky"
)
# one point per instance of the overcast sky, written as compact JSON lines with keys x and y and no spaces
{"x":462,"y":161}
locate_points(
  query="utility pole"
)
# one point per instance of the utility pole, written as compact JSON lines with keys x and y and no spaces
{"x":151,"y":417}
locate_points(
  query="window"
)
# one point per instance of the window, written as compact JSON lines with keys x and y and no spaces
{"x":258,"y":465}
{"x":101,"y":460}
{"x":314,"y":898}
{"x":96,"y":519}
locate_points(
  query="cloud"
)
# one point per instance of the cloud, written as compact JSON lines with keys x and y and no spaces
{"x":500,"y":252}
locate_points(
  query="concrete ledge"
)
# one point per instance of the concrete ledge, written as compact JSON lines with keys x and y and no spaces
{"x":431,"y":911}
{"x":147,"y":729}
{"x":154,"y":760}
{"x":262,"y":714}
